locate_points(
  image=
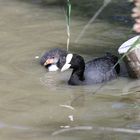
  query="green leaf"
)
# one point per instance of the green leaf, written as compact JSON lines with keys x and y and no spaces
{"x":134,"y":45}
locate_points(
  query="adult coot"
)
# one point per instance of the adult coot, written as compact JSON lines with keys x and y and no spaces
{"x":95,"y":71}
{"x":54,"y":59}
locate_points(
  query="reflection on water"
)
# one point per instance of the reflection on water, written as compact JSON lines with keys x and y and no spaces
{"x":35,"y":104}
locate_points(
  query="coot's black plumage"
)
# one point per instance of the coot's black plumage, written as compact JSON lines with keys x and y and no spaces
{"x":95,"y":71}
{"x":54,"y":58}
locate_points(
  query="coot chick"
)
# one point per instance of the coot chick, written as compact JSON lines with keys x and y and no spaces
{"x":54,"y":59}
{"x":98,"y":70}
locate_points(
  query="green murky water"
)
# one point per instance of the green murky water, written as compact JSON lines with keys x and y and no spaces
{"x":37,"y":105}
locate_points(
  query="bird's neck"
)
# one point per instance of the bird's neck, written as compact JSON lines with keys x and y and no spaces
{"x":77,"y":76}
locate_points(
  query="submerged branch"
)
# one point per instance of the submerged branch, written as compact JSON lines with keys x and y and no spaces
{"x":121,"y":130}
{"x":71,"y":129}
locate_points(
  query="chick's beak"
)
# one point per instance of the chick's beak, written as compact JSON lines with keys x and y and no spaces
{"x":48,"y":61}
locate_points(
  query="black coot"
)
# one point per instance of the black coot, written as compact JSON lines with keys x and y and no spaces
{"x":95,"y":71}
{"x":54,"y":59}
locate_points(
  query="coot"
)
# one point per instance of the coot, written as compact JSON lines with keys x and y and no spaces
{"x":98,"y":70}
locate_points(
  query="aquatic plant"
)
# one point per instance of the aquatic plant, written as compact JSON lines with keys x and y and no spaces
{"x":133,"y":46}
{"x":68,"y":13}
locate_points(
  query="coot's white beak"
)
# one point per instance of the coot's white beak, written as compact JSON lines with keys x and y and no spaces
{"x":67,"y":64}
{"x":65,"y":67}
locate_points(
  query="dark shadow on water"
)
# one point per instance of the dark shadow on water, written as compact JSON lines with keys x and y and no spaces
{"x":118,"y":11}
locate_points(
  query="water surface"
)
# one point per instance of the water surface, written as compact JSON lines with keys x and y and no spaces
{"x":37,"y":105}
